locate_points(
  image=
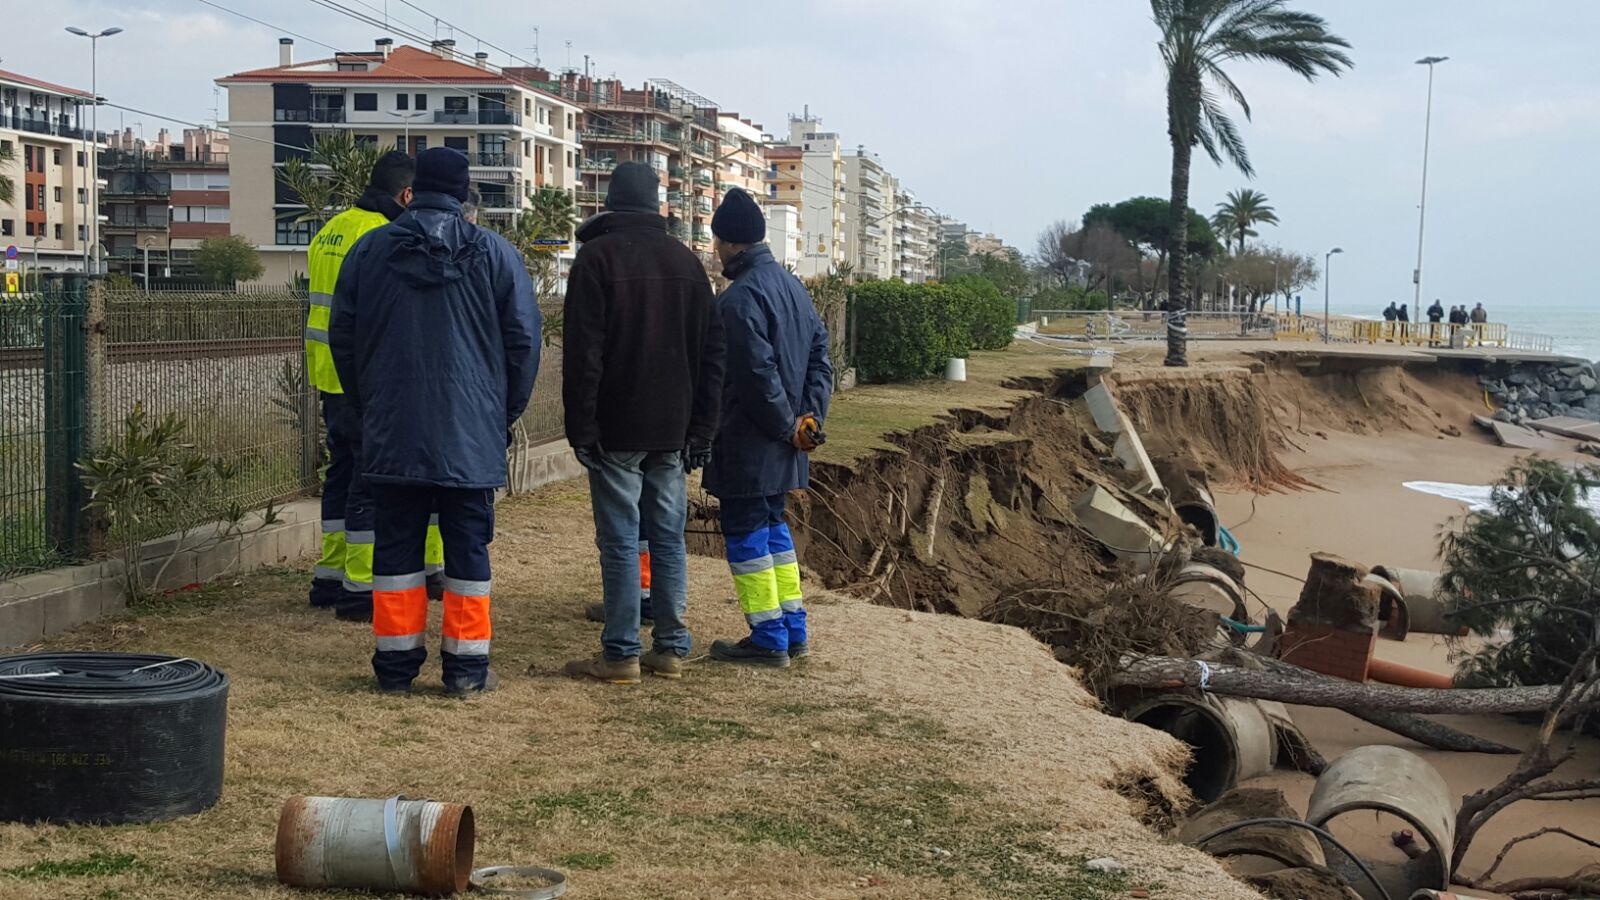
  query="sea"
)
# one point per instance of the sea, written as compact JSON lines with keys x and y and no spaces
{"x":1573,"y":323}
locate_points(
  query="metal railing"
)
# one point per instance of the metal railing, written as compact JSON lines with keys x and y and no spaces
{"x":1138,"y":324}
{"x":1418,"y":334}
{"x":476,"y":117}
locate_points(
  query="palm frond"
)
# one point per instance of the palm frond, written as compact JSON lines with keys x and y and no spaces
{"x":1228,"y":139}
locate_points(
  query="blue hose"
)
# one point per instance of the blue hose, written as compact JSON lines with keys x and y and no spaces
{"x":1227,"y":540}
{"x":1243,"y":628}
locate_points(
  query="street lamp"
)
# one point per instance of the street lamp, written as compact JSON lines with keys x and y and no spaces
{"x":407,"y":117}
{"x":1422,"y":209}
{"x":91,"y":164}
{"x":1326,"y":277}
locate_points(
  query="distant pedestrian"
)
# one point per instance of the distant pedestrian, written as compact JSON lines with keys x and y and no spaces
{"x":1436,"y":312}
{"x":779,"y":384}
{"x":1479,"y":315}
{"x":1391,"y":314}
{"x":436,"y":333}
{"x":1402,"y":313}
{"x":1458,"y":315}
{"x":642,"y":381}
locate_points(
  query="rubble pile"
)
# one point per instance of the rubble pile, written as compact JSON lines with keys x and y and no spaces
{"x":1530,"y":391}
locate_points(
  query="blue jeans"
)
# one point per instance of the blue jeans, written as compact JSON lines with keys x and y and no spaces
{"x":641,"y":495}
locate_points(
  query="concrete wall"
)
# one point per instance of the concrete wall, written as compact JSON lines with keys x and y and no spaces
{"x":250,"y":170}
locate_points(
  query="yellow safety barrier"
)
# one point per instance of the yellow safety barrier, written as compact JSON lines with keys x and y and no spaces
{"x":1367,"y":331}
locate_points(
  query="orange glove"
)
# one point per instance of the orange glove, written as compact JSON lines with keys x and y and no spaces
{"x":808,"y":434}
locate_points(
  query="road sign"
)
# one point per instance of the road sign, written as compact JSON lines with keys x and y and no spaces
{"x":11,"y":265}
{"x":11,"y":251}
{"x":13,"y":283}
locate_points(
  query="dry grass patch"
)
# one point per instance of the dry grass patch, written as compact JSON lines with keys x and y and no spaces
{"x":915,"y":756}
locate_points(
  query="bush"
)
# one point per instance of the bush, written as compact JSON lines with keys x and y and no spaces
{"x":907,"y":331}
{"x":993,"y":315}
{"x":1071,"y":297}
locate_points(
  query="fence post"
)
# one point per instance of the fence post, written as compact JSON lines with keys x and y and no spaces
{"x":310,"y":407}
{"x":65,"y":348}
{"x":96,"y":411}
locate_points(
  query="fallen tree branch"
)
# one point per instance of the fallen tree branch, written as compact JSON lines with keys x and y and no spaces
{"x":1166,"y":672}
{"x":1483,"y":879}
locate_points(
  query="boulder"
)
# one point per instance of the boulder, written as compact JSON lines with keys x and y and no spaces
{"x":1518,"y":377}
{"x":1587,"y":382}
{"x":1592,"y":403}
{"x":1570,"y":371}
{"x":1574,"y":396}
{"x":1502,"y":415}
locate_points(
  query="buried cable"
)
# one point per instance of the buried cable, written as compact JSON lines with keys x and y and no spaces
{"x":1320,"y":832}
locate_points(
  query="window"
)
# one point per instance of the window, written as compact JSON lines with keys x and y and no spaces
{"x":81,"y":235}
{"x":27,"y":201}
{"x":456,"y":143}
{"x":527,"y":107}
{"x":569,"y":159}
{"x":291,"y":233}
{"x":570,"y":124}
{"x":352,"y":67}
{"x":58,"y":231}
{"x":80,"y":159}
{"x":217,"y":214}
{"x":418,"y":144}
{"x":55,"y":156}
{"x":27,"y":228}
{"x":8,"y":227}
{"x":455,"y":104}
{"x":58,"y":194}
{"x":366,"y":102}
{"x":422,"y":101}
{"x":5,"y":146}
{"x":81,"y":197}
{"x":402,"y":101}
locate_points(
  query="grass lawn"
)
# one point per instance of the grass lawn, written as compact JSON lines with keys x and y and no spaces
{"x":915,"y":756}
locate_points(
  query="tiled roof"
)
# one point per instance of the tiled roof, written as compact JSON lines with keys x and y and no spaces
{"x":404,"y":64}
{"x":42,"y":85}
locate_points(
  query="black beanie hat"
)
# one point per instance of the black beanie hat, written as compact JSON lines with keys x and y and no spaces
{"x":635,"y":187}
{"x":442,"y":170}
{"x":739,"y":220}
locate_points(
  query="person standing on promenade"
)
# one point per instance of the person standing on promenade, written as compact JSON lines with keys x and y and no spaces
{"x":642,"y":375}
{"x":435,"y":333}
{"x":1479,"y":315}
{"x":1436,"y":312}
{"x":1390,"y":314}
{"x":779,"y":384}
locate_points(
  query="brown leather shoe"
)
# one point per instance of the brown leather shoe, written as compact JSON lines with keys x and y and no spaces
{"x":662,"y":665}
{"x":611,"y":671}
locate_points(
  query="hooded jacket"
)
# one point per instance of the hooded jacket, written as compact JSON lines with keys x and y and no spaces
{"x":641,"y":350}
{"x":435,"y":335}
{"x":778,"y":370}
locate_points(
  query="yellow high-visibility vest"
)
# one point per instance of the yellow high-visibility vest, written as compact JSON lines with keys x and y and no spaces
{"x":326,"y":255}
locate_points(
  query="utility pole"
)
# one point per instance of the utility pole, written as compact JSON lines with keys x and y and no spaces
{"x":1422,"y":208}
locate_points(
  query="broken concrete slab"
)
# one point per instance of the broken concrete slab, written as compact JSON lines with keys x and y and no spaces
{"x":1520,"y":438}
{"x":1568,"y":426}
{"x":1129,"y":450}
{"x":1122,"y":532}
{"x":1103,"y":407}
{"x":1484,"y":422}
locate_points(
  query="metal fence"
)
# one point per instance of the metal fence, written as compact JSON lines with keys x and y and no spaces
{"x":77,"y":358}
{"x":1145,"y":325}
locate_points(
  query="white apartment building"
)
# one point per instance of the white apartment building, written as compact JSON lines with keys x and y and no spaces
{"x":784,"y":235}
{"x":43,"y":127}
{"x":518,"y":138}
{"x":869,"y":207}
{"x":916,"y":239}
{"x":822,"y":196}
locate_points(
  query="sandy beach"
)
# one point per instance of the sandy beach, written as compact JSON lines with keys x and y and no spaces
{"x":1360,"y":510}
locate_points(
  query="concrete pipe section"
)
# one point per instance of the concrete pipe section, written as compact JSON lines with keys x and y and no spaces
{"x":1378,"y":779}
{"x":412,"y":846}
{"x":1230,"y":739}
{"x":1421,"y":591}
{"x":1394,"y":614}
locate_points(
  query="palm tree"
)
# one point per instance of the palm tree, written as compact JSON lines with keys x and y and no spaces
{"x":1197,"y":38}
{"x":8,"y":185}
{"x":1242,"y":209}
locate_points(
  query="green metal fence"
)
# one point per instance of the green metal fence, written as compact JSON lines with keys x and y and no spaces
{"x":77,"y":358}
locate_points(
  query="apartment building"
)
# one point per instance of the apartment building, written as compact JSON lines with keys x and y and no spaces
{"x":916,"y":242}
{"x":808,"y":173}
{"x":784,"y":235}
{"x":869,"y":207}
{"x":159,"y":200}
{"x":43,"y":132}
{"x":517,"y":137}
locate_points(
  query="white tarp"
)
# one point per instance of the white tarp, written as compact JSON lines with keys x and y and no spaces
{"x":1475,"y":496}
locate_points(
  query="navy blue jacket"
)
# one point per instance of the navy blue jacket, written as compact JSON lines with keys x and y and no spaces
{"x":777,"y":370}
{"x":435,"y":335}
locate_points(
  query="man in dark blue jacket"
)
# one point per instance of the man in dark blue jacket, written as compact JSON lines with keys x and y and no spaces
{"x":435,"y":335}
{"x":641,"y":372}
{"x":774,"y":399}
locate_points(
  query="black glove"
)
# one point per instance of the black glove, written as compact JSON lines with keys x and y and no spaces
{"x":697,"y":455}
{"x":588,"y":456}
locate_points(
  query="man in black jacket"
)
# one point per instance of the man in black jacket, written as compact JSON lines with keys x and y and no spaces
{"x":642,"y":381}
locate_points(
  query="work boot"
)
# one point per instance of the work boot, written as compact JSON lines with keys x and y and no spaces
{"x":662,"y":664}
{"x":397,"y":689}
{"x":354,"y":608}
{"x":611,"y":671}
{"x":596,"y":612}
{"x":747,"y":652}
{"x":325,"y":593}
{"x":799,"y":649}
{"x":461,"y":689}
{"x":435,"y":585}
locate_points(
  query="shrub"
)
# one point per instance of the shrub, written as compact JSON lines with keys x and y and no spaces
{"x":993,"y":315}
{"x":1071,"y":297}
{"x":905,"y":331}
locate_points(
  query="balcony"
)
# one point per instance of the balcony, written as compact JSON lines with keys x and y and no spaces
{"x":314,"y":116}
{"x":703,"y":178}
{"x":589,"y":197}
{"x":497,"y":201}
{"x":598,"y":165}
{"x":702,"y":234}
{"x":476,"y":117}
{"x":495,"y":160}
{"x":45,"y":126}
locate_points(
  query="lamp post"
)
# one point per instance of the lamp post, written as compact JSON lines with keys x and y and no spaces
{"x":1422,"y":208}
{"x":407,"y":117}
{"x":91,"y":142}
{"x":1326,"y":277}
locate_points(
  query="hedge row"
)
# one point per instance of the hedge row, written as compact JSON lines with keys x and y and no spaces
{"x":906,"y":331}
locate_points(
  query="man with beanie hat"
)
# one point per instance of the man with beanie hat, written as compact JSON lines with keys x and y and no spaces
{"x":642,"y":370}
{"x":343,"y":576}
{"x":774,"y":399}
{"x":435,"y":334}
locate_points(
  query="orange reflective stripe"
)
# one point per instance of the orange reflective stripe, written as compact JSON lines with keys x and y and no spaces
{"x":396,"y":613}
{"x":466,"y":618}
{"x":644,"y":571}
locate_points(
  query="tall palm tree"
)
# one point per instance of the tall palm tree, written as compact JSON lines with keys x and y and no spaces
{"x":8,"y":185}
{"x":1197,"y":38}
{"x":1242,"y":209}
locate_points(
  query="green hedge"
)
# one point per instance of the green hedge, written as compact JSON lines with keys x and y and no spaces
{"x":993,"y":315}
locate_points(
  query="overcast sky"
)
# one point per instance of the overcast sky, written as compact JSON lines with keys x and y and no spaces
{"x":1015,"y":113}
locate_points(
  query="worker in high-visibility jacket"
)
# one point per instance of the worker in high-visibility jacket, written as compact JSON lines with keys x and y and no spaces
{"x":343,"y":576}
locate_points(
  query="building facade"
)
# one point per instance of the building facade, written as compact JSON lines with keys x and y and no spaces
{"x":808,"y":173}
{"x":517,"y":137}
{"x":869,"y":208}
{"x":916,"y":239}
{"x":44,"y":135}
{"x":160,"y":200}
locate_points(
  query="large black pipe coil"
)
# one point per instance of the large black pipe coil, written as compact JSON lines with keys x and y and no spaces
{"x":109,"y":738}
